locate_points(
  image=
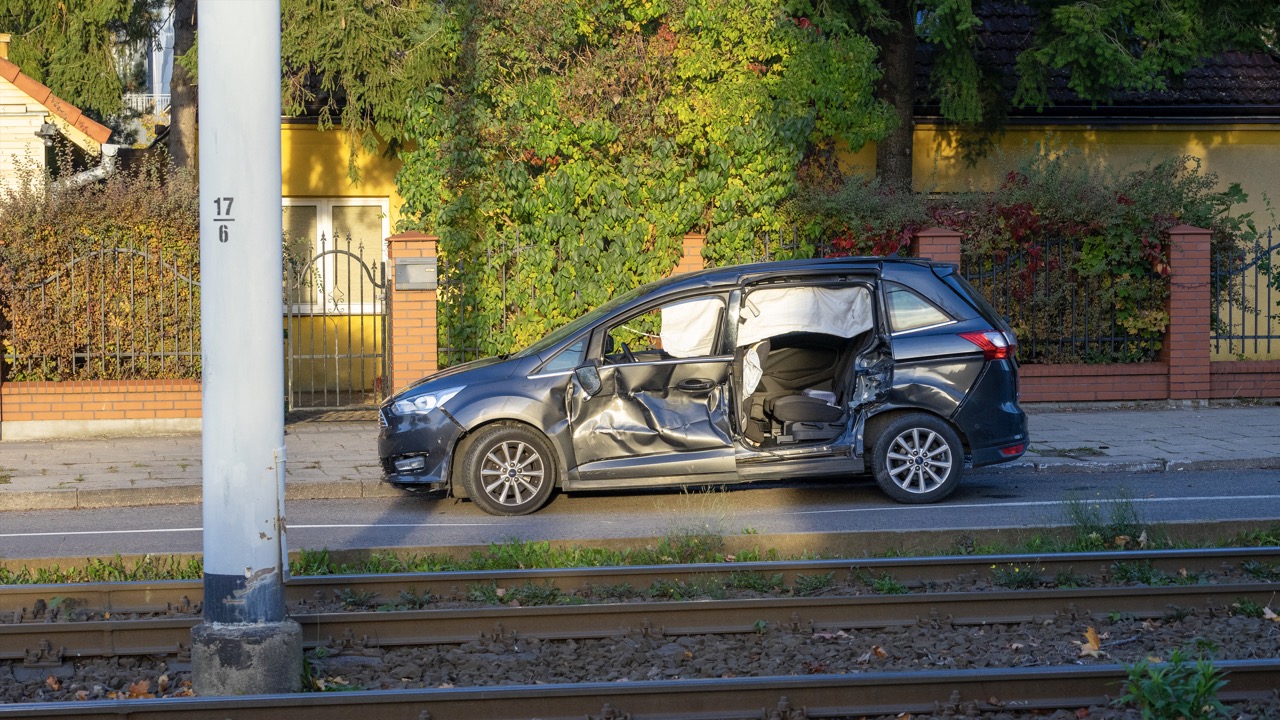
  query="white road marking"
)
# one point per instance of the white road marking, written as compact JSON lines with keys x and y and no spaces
{"x":775,"y":512}
{"x":196,"y":529}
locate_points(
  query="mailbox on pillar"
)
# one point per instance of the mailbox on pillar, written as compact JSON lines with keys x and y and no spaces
{"x":415,"y":273}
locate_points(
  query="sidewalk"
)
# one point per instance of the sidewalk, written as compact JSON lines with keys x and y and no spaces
{"x":339,"y":459}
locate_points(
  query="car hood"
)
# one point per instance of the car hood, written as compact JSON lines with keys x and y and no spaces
{"x":455,"y":370}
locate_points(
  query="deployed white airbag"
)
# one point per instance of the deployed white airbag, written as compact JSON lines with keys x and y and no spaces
{"x":772,"y":311}
{"x":689,"y":326}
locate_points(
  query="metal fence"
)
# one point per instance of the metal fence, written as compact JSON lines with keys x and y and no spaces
{"x":1246,"y":299}
{"x":336,"y":332}
{"x":1060,"y":315}
{"x":503,"y":260}
{"x":111,"y":313}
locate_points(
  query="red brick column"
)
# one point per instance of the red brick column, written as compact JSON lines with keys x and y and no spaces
{"x":412,"y":336}
{"x":938,"y":244}
{"x":691,"y":254}
{"x":1186,"y":343}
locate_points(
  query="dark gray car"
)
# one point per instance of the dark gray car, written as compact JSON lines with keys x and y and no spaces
{"x":756,"y":372}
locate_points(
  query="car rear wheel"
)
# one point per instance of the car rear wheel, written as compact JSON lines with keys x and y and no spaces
{"x":509,"y":470}
{"x":917,"y":458}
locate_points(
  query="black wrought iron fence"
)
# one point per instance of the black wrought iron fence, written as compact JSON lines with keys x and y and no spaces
{"x":502,"y":261}
{"x":1246,"y":299}
{"x":1060,"y":314}
{"x":115,"y":313}
{"x":789,"y":244}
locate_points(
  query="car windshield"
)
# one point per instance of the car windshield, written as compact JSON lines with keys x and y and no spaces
{"x":575,"y":326}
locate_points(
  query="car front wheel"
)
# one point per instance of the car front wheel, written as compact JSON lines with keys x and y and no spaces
{"x":917,"y":458}
{"x":509,"y":470}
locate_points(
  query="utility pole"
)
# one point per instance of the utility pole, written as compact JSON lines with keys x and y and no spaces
{"x":246,"y":644}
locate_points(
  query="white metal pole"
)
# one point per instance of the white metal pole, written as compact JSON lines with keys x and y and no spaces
{"x":243,"y":371}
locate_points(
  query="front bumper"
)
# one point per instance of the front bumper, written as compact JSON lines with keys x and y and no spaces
{"x":415,"y":450}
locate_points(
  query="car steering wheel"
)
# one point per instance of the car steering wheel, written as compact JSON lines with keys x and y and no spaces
{"x":627,"y":355}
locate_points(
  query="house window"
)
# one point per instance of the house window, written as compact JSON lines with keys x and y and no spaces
{"x":336,"y":246}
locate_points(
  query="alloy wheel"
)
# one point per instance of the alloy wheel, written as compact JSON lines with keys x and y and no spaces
{"x":512,"y":472}
{"x":919,"y":460}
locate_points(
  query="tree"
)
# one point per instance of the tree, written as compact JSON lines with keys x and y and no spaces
{"x":182,"y":87}
{"x":1098,"y":46}
{"x":575,"y":143}
{"x":362,"y":63}
{"x":70,"y":46}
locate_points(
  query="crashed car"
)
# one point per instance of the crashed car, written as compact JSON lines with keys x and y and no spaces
{"x":771,"y":371}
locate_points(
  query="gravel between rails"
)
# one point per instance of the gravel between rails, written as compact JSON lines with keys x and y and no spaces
{"x":930,"y":644}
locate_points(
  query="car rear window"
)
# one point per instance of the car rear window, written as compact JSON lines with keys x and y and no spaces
{"x":975,"y":298}
{"x":909,"y":311}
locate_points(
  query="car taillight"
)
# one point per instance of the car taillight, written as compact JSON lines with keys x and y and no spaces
{"x":995,"y":344}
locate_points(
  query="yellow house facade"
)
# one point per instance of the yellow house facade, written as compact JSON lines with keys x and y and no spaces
{"x":335,"y":231}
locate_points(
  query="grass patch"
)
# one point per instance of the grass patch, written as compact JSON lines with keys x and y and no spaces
{"x":1095,"y":526}
{"x":112,"y":569}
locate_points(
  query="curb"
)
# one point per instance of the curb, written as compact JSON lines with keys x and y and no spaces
{"x":1063,"y":465}
{"x":851,"y":545}
{"x":73,"y":499}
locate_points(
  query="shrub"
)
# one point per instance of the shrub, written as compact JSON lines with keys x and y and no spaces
{"x":1076,"y":256}
{"x":90,"y":277}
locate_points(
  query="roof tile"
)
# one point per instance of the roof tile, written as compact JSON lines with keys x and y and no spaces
{"x":38,"y":91}
{"x":63,"y":109}
{"x":8,"y":70}
{"x":74,"y":116}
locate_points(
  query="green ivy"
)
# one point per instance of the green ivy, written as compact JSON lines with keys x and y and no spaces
{"x":574,"y":143}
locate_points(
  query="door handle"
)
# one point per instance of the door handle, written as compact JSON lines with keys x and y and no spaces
{"x":695,"y":385}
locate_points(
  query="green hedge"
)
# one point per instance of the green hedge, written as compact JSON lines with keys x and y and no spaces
{"x":88,"y":277}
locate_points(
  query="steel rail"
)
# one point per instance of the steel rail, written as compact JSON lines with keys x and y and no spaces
{"x":357,"y":632}
{"x":180,"y":595}
{"x":963,"y":692}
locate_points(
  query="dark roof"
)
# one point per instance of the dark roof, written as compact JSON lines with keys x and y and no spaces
{"x":1233,"y":84}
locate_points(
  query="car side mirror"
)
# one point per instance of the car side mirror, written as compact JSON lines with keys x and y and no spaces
{"x":589,"y":378}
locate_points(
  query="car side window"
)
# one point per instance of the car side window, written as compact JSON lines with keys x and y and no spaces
{"x":686,"y":328}
{"x":909,"y":311}
{"x":567,"y":359}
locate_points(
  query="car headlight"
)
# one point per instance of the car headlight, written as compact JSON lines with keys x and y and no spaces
{"x":425,"y":403}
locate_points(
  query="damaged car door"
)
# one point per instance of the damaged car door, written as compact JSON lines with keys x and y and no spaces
{"x":653,"y":402}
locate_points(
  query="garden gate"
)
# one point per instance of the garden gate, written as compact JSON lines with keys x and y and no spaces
{"x":335,"y":328}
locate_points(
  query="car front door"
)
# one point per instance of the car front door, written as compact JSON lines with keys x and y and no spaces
{"x":653,"y":405}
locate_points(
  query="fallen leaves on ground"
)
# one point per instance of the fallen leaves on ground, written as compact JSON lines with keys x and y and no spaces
{"x":1092,"y":645}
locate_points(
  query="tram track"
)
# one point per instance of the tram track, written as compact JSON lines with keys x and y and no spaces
{"x":964,"y":693}
{"x":341,"y":631}
{"x":844,"y":625}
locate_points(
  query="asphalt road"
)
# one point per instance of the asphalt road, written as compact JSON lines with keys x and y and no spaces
{"x":987,"y":499}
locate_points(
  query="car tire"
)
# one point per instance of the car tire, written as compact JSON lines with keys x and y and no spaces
{"x":509,"y":470}
{"x":917,"y":458}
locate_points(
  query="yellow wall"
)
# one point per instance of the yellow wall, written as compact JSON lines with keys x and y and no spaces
{"x":315,"y":165}
{"x":335,"y":351}
{"x":1245,"y":154}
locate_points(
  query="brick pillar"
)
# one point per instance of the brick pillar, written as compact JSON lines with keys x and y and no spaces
{"x":938,"y":244}
{"x":691,"y":254}
{"x":412,"y":340}
{"x":1186,"y":342}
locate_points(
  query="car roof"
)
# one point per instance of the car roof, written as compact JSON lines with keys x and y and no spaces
{"x":735,"y":274}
